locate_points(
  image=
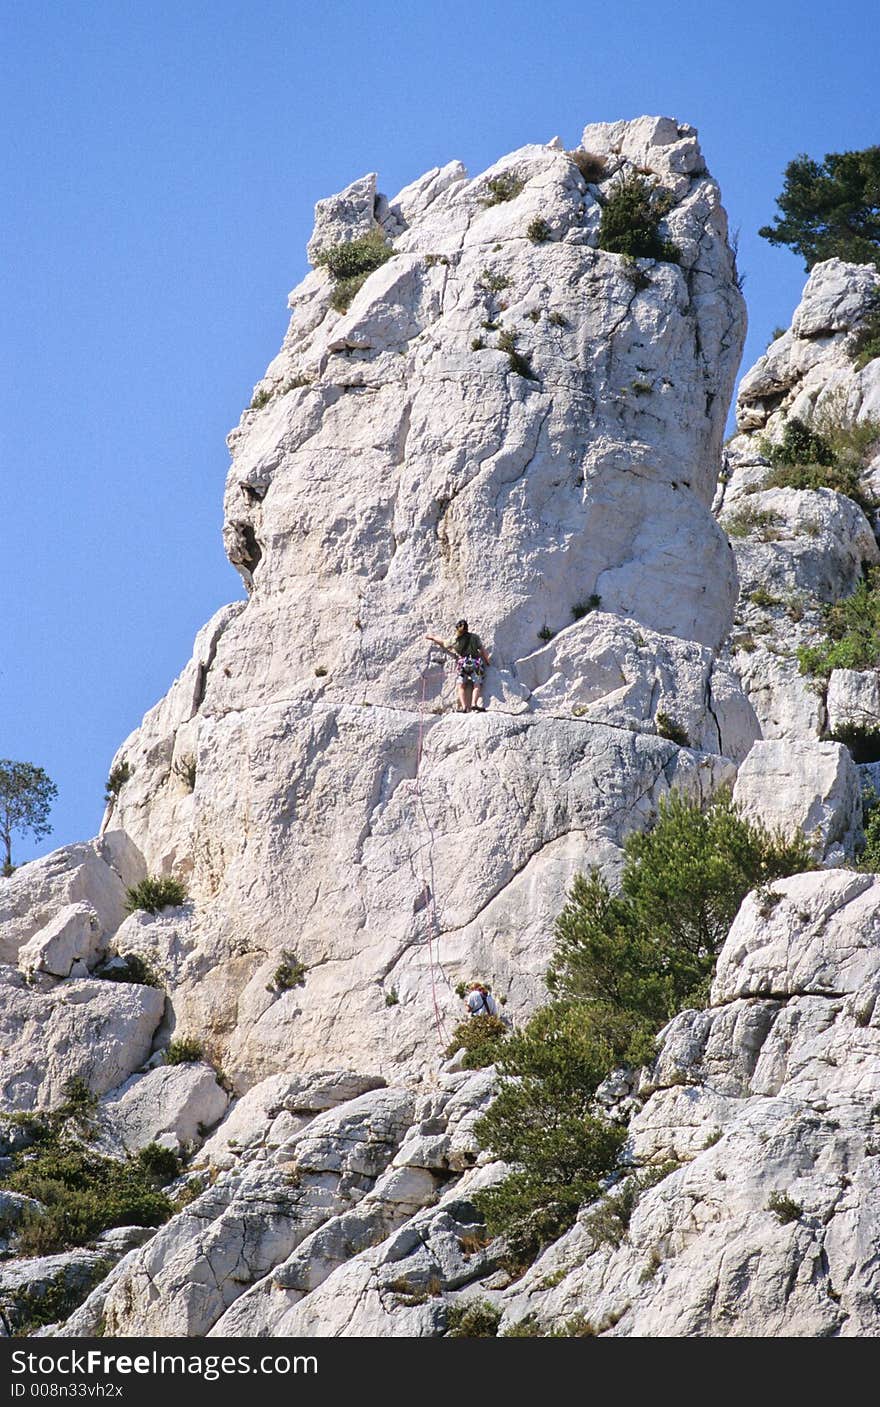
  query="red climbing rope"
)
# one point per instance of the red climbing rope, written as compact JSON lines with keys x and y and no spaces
{"x":428,"y":881}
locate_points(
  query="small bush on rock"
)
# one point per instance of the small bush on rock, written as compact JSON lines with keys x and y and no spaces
{"x":507,"y":186}
{"x":593,"y":168}
{"x":130,"y":968}
{"x":670,"y":730}
{"x":349,"y":265}
{"x":853,"y":627}
{"x":762,"y":522}
{"x":185,"y":1051}
{"x":477,"y":1319}
{"x":831,"y":457}
{"x":83,"y":1193}
{"x":288,"y":974}
{"x":584,"y":608}
{"x":155,"y":893}
{"x":160,"y":1164}
{"x":869,"y":859}
{"x":784,"y":1208}
{"x":481,"y":1037}
{"x":865,"y":344}
{"x":119,"y":775}
{"x":631,"y":216}
{"x":538,"y":231}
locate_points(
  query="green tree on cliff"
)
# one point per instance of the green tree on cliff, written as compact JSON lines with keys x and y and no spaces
{"x":830,"y":208}
{"x":26,"y":796}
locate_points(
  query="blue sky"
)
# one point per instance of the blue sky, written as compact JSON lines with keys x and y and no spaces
{"x":160,"y":164}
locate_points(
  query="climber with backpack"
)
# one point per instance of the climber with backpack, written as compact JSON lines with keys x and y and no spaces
{"x":480,"y":1001}
{"x":468,"y":650}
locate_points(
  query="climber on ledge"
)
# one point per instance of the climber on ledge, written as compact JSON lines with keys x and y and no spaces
{"x":480,"y":1001}
{"x":472,"y":661}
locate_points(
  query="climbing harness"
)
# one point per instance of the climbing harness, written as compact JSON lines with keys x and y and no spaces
{"x":471,"y":669}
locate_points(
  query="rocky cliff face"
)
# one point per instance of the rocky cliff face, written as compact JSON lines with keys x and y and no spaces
{"x":512,"y":424}
{"x":402,"y":471}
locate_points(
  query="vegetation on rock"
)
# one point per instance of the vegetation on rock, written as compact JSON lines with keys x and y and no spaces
{"x":349,"y":265}
{"x":631,"y":215}
{"x":853,"y":627}
{"x":623,"y":965}
{"x":155,"y":893}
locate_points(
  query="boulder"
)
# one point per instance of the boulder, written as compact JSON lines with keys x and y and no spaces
{"x":787,"y":784}
{"x":96,"y":1031}
{"x":73,"y":935}
{"x":853,"y":704}
{"x":182,"y":1100}
{"x":94,"y":873}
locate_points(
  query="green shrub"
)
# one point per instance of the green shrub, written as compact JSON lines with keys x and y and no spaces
{"x":50,"y":1302}
{"x":631,"y":216}
{"x":538,"y":231}
{"x":478,"y":344}
{"x":507,"y":186}
{"x":637,"y":276}
{"x":544,"y":1122}
{"x":288,"y":974}
{"x":557,"y":319}
{"x":832,"y":456}
{"x":133,"y":968}
{"x":83,"y":1193}
{"x":260,"y":398}
{"x":853,"y":627}
{"x":776,"y":334}
{"x":350,"y":265}
{"x":869,"y":859}
{"x":527,"y":1328}
{"x":392,"y":998}
{"x":492,"y":282}
{"x":670,"y":730}
{"x":160,"y":1164}
{"x":784,"y":1208}
{"x":545,"y":633}
{"x":650,"y":950}
{"x":155,"y":893}
{"x":763,"y":598}
{"x":481,"y":1037}
{"x":187,"y":1050}
{"x":584,"y":608}
{"x":476,"y":1319}
{"x":355,"y":257}
{"x":799,"y":445}
{"x":762,"y":522}
{"x":865,"y":344}
{"x":593,"y":168}
{"x":119,"y":775}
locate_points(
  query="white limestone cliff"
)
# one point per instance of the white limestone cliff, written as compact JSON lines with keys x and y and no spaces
{"x":307,"y":778}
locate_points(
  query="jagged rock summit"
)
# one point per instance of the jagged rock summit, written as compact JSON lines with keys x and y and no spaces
{"x":507,"y":423}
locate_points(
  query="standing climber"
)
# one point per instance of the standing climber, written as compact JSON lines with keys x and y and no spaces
{"x":472,"y":661}
{"x":480,"y":1001}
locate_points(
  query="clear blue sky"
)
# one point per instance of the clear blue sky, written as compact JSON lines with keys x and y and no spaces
{"x":160,"y":163}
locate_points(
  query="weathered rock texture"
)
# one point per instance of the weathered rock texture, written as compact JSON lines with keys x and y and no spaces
{"x":396,"y":475}
{"x":770,"y":1100}
{"x":813,"y":545}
